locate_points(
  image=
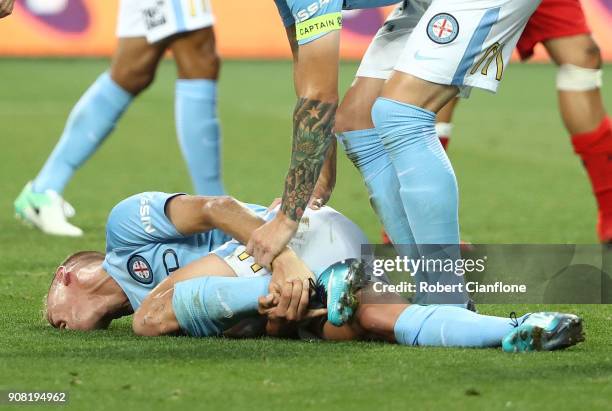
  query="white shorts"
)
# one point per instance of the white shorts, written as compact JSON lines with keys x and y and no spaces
{"x":158,"y":19}
{"x":324,"y":237}
{"x":455,"y":42}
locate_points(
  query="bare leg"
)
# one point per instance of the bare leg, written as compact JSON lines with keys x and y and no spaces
{"x":354,"y":113}
{"x":135,"y":62}
{"x":445,"y":115}
{"x":409,"y":89}
{"x":585,"y":117}
{"x":196,"y":55}
{"x":582,"y":111}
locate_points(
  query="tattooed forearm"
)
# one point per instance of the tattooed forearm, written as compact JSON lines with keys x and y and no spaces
{"x":313,"y":122}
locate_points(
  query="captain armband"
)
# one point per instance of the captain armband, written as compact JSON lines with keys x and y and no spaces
{"x":318,"y":26}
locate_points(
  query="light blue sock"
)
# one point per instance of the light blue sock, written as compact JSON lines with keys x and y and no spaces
{"x":207,"y":306}
{"x":364,"y":148}
{"x":197,"y":127}
{"x":448,"y":326}
{"x":89,"y":123}
{"x":427,"y":181}
{"x":428,"y":187}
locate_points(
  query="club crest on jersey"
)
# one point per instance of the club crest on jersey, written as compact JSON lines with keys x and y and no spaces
{"x":139,"y":269}
{"x":442,"y":28}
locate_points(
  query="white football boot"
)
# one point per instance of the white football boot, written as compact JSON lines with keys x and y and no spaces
{"x":47,"y":211}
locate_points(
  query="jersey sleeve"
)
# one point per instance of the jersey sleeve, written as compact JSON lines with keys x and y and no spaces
{"x":312,"y":19}
{"x":284,"y":12}
{"x":140,"y":220}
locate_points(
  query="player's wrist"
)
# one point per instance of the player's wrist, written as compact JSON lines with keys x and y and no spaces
{"x":285,"y":221}
{"x":283,"y":259}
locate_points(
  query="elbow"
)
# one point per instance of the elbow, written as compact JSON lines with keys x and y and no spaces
{"x":139,"y":326}
{"x":155,"y":316}
{"x":146,"y":324}
{"x":321,"y":95}
{"x":212,"y":205}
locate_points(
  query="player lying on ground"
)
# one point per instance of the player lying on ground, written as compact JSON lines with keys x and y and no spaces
{"x":163,"y":262}
{"x":561,"y":27}
{"x":146,"y":30}
{"x":151,"y":236}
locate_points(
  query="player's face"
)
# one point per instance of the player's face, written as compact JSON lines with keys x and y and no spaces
{"x":71,"y":303}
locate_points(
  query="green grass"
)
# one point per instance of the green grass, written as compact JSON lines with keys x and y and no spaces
{"x":519,"y":182}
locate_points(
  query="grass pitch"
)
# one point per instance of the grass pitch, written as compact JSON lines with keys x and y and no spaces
{"x":519,"y":182}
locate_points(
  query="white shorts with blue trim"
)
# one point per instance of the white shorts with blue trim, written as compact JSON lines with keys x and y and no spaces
{"x":158,"y":19}
{"x":324,"y":237}
{"x":465,"y":43}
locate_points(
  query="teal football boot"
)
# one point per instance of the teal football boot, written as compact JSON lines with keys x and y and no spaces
{"x":339,"y":284}
{"x":544,"y":331}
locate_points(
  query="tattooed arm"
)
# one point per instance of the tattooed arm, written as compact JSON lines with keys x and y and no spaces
{"x":316,"y":84}
{"x":313,"y":122}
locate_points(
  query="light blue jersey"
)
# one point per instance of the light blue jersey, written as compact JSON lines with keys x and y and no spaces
{"x":143,"y":247}
{"x":315,"y":18}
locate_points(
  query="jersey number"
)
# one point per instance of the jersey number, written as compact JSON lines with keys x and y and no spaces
{"x":254,"y":267}
{"x":192,"y":7}
{"x":494,"y":52}
{"x":171,"y":262}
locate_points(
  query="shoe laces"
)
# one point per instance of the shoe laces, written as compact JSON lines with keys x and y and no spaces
{"x":318,"y":294}
{"x":513,"y":319}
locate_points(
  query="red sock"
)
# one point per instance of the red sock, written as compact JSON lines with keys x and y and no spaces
{"x":444,"y":141}
{"x":595,"y":149}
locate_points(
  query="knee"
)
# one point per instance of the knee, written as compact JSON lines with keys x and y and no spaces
{"x":201,"y":65}
{"x":198,"y":60}
{"x":368,"y":318}
{"x":140,"y":326}
{"x":343,"y":121}
{"x":353,"y":114}
{"x":580,"y":51}
{"x":374,"y":320}
{"x":348,"y":118}
{"x":132,"y":78}
{"x":213,"y":207}
{"x":591,"y":56}
{"x":582,"y":70}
